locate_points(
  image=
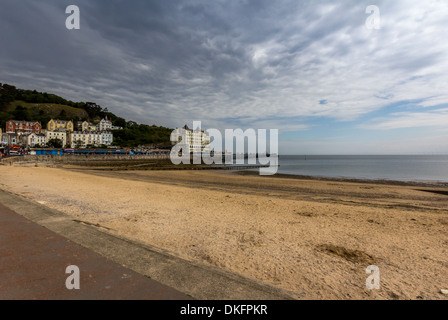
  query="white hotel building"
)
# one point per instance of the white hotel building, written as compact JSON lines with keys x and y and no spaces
{"x":197,"y":140}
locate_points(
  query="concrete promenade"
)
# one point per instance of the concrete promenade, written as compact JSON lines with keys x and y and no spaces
{"x":34,"y":260}
{"x":38,"y":243}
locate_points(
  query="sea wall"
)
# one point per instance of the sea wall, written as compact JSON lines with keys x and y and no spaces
{"x":71,"y":158}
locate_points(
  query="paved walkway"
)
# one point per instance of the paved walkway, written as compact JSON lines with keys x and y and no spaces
{"x":33,"y":261}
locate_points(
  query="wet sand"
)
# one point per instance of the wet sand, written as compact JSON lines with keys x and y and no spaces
{"x":313,"y":238}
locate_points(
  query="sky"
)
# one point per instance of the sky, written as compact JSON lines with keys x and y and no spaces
{"x":326,"y":74}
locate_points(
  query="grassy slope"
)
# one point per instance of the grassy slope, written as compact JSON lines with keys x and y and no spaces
{"x":50,"y":109}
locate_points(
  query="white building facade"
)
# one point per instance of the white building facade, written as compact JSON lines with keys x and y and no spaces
{"x":107,"y":138}
{"x":80,"y":139}
{"x":32,"y":140}
{"x":104,"y":125}
{"x":61,"y":135}
{"x":197,"y":141}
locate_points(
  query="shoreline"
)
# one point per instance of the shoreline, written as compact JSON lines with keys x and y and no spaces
{"x":132,"y":163}
{"x":411,"y":183}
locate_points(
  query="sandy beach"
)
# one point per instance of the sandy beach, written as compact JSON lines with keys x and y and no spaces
{"x":313,"y":238}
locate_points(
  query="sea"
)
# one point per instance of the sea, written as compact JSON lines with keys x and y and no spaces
{"x":420,"y":168}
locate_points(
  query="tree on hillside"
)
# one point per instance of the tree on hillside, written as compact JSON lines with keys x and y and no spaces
{"x":131,"y":124}
{"x":20,"y":113}
{"x":7,"y":95}
{"x":119,"y":122}
{"x":54,"y":143}
{"x":135,"y":134}
{"x":93,"y":110}
{"x":63,"y":115}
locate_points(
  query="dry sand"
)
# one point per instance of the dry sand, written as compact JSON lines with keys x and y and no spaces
{"x":312,"y":238}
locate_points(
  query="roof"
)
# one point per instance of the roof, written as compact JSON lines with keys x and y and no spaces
{"x":23,"y":121}
{"x":36,"y":134}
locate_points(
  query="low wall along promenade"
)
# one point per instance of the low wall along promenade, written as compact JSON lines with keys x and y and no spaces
{"x":71,"y":158}
{"x":116,"y":162}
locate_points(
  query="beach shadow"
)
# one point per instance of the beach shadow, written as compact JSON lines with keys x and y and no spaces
{"x":442,"y":192}
{"x":355,"y":256}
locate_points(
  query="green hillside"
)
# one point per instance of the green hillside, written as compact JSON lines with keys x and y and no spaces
{"x":43,"y":112}
{"x":30,"y":105}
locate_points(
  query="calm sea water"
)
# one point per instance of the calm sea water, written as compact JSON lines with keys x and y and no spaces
{"x":428,"y":168}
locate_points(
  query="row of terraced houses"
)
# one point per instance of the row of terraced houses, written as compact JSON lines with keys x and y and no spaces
{"x":30,"y":134}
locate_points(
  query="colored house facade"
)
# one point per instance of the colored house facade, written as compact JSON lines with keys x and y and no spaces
{"x":10,"y":138}
{"x":85,"y":126}
{"x":60,"y":125}
{"x":15,"y":126}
